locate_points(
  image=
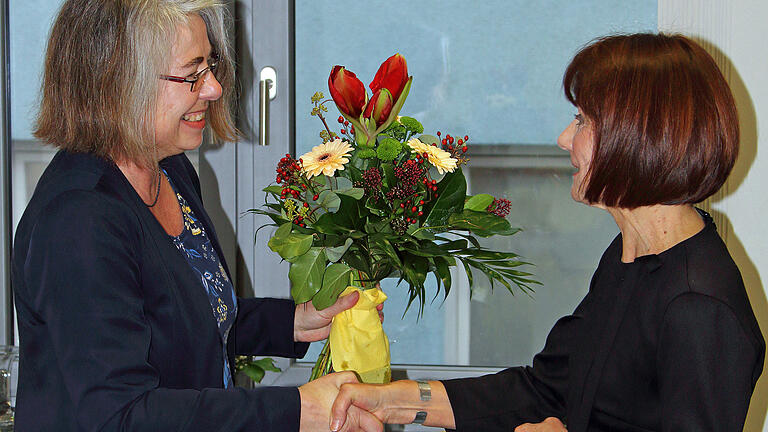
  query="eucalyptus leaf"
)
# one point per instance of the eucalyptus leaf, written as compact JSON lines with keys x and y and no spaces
{"x":356,"y":193}
{"x":335,"y":281}
{"x":335,"y":253}
{"x":478,"y":202}
{"x":306,"y":275}
{"x":329,"y":200}
{"x":341,"y":183}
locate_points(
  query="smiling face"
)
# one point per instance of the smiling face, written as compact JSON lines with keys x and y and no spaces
{"x":180,"y":113}
{"x":578,"y":140}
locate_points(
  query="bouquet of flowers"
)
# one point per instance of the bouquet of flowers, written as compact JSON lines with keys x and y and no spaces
{"x":380,"y":199}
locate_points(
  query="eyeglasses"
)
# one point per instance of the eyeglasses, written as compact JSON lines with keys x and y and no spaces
{"x":198,"y":79}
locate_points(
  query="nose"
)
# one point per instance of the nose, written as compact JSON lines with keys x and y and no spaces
{"x":565,"y":140}
{"x":211,"y":89}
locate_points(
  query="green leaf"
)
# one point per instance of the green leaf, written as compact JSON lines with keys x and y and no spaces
{"x":451,"y":192}
{"x":335,"y":280}
{"x":379,"y":206}
{"x":443,"y":271}
{"x":266,"y":364}
{"x":348,"y":215}
{"x":481,"y":223}
{"x":478,"y":202}
{"x":388,"y":178}
{"x":386,"y":247}
{"x":415,"y":269}
{"x":274,"y":189}
{"x":254,"y":372}
{"x":326,"y":224}
{"x":356,"y":193}
{"x":341,"y":183}
{"x":335,"y":253}
{"x":429,"y":140}
{"x":292,"y":246}
{"x":306,"y":275}
{"x":329,"y":200}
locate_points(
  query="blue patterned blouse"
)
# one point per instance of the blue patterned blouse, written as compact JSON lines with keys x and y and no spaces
{"x":197,"y":249}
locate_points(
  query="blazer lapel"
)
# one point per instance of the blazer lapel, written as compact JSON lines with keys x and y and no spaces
{"x":592,"y":349}
{"x":188,"y":289}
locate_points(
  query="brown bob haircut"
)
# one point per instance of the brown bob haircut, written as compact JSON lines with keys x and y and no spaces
{"x":663,"y":117}
{"x":100,"y":82}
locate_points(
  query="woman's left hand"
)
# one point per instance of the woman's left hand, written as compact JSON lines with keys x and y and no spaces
{"x":311,"y":325}
{"x":550,"y":424}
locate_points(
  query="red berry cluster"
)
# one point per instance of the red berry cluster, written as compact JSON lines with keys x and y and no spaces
{"x":411,"y":172}
{"x":372,"y":182}
{"x":288,"y":171}
{"x":457,"y":147}
{"x":500,"y":207}
{"x":289,"y":191}
{"x":345,"y":126}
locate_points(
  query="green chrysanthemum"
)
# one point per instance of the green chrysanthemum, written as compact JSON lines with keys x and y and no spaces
{"x":366,"y":153}
{"x":396,"y":131}
{"x":411,"y":124}
{"x":388,"y":149}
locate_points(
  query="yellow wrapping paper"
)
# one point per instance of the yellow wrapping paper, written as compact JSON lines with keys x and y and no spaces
{"x":358,"y":342}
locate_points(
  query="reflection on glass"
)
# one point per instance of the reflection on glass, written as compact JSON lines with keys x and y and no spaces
{"x":9,"y":374}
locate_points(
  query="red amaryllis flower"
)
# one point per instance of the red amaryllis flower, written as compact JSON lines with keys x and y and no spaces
{"x":379,"y":106}
{"x":392,"y":75}
{"x":347,"y":91}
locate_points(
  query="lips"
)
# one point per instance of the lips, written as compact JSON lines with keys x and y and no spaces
{"x":194,"y":119}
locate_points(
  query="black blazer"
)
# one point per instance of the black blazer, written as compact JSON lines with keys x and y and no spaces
{"x":667,"y":343}
{"x":115,"y":331}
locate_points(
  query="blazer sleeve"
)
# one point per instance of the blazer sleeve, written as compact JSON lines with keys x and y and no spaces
{"x":264,"y":326}
{"x":706,"y":363}
{"x":92,"y":305}
{"x":503,"y":401}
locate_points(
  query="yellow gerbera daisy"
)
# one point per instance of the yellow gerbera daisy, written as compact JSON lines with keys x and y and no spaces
{"x":439,"y":158}
{"x":326,"y":158}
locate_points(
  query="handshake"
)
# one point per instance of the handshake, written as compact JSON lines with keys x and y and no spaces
{"x":339,"y":402}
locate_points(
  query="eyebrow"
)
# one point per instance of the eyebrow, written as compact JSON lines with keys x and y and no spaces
{"x":194,"y":62}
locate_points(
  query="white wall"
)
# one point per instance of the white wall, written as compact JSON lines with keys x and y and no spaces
{"x":733,"y":31}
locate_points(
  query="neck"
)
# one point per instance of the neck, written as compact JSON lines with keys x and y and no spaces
{"x":143,"y":179}
{"x":654,"y":229}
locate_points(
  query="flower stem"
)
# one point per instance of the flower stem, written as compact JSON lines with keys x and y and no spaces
{"x":323,"y":364}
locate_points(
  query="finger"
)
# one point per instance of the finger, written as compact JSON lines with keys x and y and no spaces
{"x":343,"y":303}
{"x":340,"y":406}
{"x":525,"y":427}
{"x":361,"y":420}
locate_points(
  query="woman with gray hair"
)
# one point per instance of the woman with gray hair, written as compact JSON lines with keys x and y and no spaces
{"x":127,"y":316}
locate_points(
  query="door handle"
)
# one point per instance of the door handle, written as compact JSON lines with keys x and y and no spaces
{"x":267,"y":92}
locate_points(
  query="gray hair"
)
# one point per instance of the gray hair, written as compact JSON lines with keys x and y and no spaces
{"x":101,"y":74}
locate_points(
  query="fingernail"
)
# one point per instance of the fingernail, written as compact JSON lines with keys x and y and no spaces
{"x":335,"y":425}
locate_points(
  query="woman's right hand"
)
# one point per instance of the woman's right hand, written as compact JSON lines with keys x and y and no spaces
{"x":550,"y":424}
{"x":316,"y":399}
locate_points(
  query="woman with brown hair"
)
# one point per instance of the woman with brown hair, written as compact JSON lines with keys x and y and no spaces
{"x":665,"y":339}
{"x":127,"y":316}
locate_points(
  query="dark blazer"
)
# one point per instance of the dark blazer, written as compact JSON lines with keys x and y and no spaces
{"x":666,"y":343}
{"x":115,"y":331}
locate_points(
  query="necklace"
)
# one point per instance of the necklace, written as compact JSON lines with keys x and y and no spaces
{"x":157,"y":194}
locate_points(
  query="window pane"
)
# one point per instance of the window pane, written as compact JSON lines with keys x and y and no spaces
{"x":491,"y":71}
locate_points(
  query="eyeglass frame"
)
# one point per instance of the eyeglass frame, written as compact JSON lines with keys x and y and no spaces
{"x":193,"y":79}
